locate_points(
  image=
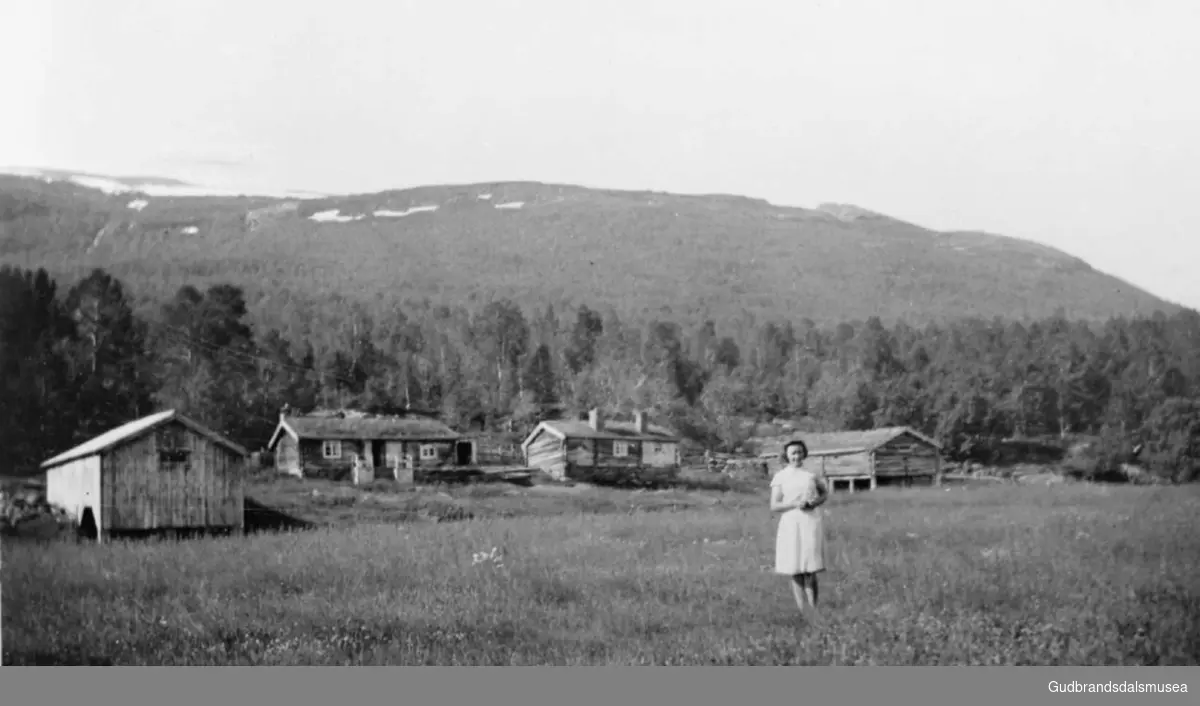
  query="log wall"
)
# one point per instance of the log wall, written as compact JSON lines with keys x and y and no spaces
{"x":906,"y":456}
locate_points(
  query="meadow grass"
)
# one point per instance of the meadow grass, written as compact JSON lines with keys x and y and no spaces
{"x":1068,"y":575}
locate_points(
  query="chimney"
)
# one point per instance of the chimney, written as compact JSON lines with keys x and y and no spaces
{"x":283,"y":412}
{"x":639,"y":421}
{"x":596,"y":419}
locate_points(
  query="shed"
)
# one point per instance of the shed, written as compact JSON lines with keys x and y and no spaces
{"x":890,"y":455}
{"x":603,"y":451}
{"x":161,"y":472}
{"x":330,"y":443}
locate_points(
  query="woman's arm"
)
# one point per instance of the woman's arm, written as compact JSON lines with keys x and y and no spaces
{"x":822,"y":491}
{"x":777,"y":503}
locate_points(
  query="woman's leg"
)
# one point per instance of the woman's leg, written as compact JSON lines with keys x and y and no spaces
{"x":798,"y":587}
{"x":810,"y":590}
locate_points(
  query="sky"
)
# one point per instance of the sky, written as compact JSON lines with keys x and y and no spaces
{"x":1066,"y":122}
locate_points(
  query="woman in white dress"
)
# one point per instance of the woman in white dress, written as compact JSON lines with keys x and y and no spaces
{"x":800,"y":540}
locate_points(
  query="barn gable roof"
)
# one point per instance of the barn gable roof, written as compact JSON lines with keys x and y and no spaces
{"x":402,"y":428}
{"x":617,"y":431}
{"x":858,"y":441}
{"x":136,"y":428}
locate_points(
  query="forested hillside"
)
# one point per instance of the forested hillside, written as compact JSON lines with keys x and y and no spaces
{"x":305,"y":266}
{"x":78,"y":359}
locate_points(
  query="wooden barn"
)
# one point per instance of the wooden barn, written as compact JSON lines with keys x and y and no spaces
{"x":891,"y":455}
{"x":163,"y":472}
{"x":333,"y":444}
{"x":597,"y":450}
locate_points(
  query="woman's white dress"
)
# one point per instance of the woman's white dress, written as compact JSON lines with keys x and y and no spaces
{"x":800,"y":539}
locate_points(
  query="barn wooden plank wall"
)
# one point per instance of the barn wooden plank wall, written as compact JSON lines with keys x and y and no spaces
{"x":848,"y":468}
{"x":144,"y":491}
{"x":851,"y":464}
{"x":906,"y":456}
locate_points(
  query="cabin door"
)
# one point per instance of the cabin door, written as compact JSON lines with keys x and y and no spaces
{"x":462,"y":453}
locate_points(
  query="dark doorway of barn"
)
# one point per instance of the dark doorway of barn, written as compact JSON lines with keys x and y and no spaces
{"x":87,"y":525}
{"x":378,"y":453}
{"x":463,"y":453}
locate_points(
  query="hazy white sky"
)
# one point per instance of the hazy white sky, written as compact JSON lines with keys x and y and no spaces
{"x":1071,"y":122}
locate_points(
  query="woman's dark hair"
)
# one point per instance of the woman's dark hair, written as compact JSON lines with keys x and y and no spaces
{"x":795,"y":442}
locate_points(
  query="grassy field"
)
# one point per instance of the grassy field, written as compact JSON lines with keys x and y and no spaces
{"x":338,"y":504}
{"x":1070,"y":574}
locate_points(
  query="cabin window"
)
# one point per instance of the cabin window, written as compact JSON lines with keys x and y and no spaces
{"x":620,"y":449}
{"x":428,"y":452}
{"x":331,"y":449}
{"x":658,"y":448}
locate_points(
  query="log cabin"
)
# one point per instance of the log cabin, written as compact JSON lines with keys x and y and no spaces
{"x":345,"y":444}
{"x":601,"y":451}
{"x":161,"y":473}
{"x":886,"y":456}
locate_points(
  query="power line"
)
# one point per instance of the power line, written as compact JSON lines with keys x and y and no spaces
{"x":184,"y":337}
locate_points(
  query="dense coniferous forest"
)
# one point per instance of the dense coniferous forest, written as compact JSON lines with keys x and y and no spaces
{"x":77,"y":361}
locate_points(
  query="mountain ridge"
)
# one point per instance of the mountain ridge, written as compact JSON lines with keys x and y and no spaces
{"x":641,"y":251}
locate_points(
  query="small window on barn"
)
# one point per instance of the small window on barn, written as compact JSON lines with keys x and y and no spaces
{"x":658,"y":447}
{"x":174,"y":452}
{"x":331,"y":449}
{"x":428,"y":451}
{"x":174,"y":459}
{"x":620,"y":448}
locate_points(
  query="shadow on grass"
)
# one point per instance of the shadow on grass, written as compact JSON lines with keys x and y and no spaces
{"x":715,"y":483}
{"x":260,"y":518}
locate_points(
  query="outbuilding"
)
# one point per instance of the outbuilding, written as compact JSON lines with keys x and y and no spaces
{"x":163,"y":472}
{"x":890,"y":455}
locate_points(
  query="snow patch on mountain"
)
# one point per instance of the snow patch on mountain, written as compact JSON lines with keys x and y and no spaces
{"x":385,"y":213}
{"x":333,"y":216}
